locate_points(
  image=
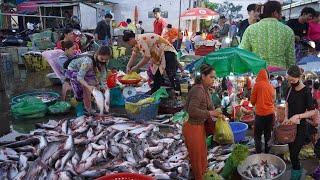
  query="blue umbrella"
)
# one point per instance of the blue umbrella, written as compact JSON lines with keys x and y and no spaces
{"x":308,"y":59}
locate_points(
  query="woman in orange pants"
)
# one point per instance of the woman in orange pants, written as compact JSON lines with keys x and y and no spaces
{"x":200,"y":109}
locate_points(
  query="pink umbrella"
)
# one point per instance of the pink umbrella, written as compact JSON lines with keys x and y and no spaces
{"x":275,"y":69}
{"x":199,"y":13}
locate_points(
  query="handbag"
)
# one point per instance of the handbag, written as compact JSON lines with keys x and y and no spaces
{"x":285,"y":134}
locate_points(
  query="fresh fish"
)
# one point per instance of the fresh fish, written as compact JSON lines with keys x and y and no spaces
{"x":57,"y":164}
{"x":118,"y":136}
{"x":99,"y":100}
{"x":87,"y":163}
{"x":107,"y":100}
{"x":20,"y":175}
{"x":162,"y":176}
{"x":13,"y":171}
{"x":70,"y":168}
{"x":98,"y":147}
{"x":156,"y":149}
{"x":90,"y":133}
{"x":87,"y":152}
{"x":178,"y":157}
{"x":75,"y":159}
{"x":43,"y":143}
{"x":93,"y":173}
{"x":23,"y":162}
{"x":69,"y":143}
{"x":128,"y":153}
{"x":65,"y":126}
{"x":66,"y":158}
{"x":65,"y":175}
{"x":27,"y":148}
{"x":154,"y":170}
{"x":99,"y":128}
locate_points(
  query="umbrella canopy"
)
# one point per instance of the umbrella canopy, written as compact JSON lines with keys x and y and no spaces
{"x":199,"y":13}
{"x":309,"y":59}
{"x":234,"y":60}
{"x":275,"y":69}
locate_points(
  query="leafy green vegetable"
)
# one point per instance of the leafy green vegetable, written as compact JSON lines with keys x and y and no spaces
{"x":211,"y":175}
{"x":239,"y":154}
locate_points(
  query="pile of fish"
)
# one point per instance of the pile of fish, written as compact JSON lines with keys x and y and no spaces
{"x":90,"y":147}
{"x":264,"y":170}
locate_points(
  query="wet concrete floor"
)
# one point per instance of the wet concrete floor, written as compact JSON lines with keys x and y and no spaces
{"x":22,"y":81}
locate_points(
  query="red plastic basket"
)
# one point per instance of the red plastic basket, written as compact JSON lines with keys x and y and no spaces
{"x":126,"y":176}
{"x":128,"y":81}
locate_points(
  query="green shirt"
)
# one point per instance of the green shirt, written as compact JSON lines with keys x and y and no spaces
{"x":272,"y":41}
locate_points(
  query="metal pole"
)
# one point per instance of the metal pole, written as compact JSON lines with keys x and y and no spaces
{"x":179,"y":24}
{"x":290,"y":9}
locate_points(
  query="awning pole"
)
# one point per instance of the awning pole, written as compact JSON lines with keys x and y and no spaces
{"x":40,"y":15}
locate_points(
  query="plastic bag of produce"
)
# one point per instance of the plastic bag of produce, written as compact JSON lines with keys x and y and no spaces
{"x":223,"y":133}
{"x":59,"y":107}
{"x":29,"y":107}
{"x":131,"y":76}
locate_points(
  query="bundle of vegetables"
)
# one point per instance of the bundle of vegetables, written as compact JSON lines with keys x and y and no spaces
{"x":212,"y":175}
{"x":239,"y":154}
{"x":307,"y":152}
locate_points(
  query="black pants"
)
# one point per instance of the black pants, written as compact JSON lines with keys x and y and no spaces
{"x":171,"y":71}
{"x":296,"y":146}
{"x":262,"y":125}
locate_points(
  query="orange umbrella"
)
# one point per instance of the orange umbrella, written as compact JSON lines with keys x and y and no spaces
{"x":136,"y":14}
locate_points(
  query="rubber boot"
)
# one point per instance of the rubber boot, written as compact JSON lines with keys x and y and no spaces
{"x":296,"y":174}
{"x":79,"y":109}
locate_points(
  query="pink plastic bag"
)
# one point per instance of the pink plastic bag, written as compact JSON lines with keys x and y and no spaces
{"x":52,"y":56}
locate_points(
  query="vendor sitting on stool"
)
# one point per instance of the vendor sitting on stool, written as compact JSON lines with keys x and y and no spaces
{"x":160,"y":52}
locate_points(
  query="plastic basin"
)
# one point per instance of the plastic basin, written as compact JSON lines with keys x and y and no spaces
{"x":51,"y":96}
{"x":239,"y":130}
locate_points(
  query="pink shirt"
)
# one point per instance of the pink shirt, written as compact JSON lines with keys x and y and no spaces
{"x":314,"y":31}
{"x":159,"y":25}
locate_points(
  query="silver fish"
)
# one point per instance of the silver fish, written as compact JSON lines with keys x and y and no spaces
{"x":98,"y":96}
{"x":75,"y":159}
{"x":90,"y":133}
{"x":82,"y":167}
{"x":98,"y":147}
{"x":161,"y":176}
{"x":153,"y":169}
{"x":65,"y":175}
{"x":65,"y":126}
{"x":23,"y":162}
{"x":107,"y":100}
{"x":57,"y":164}
{"x":128,"y":153}
{"x":87,"y":152}
{"x":178,"y":157}
{"x":99,"y":128}
{"x":13,"y":171}
{"x":43,"y":142}
{"x":93,"y":173}
{"x":20,"y":175}
{"x":66,"y":158}
{"x":69,"y":143}
{"x":156,"y":149}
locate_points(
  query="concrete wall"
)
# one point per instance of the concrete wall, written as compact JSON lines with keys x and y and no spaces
{"x":125,"y":9}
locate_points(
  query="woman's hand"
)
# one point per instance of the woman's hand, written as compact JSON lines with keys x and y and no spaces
{"x":216,"y":113}
{"x":134,"y":68}
{"x":128,"y":69}
{"x":293,"y":120}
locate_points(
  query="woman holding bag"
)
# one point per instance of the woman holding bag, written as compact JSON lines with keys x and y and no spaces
{"x":299,"y":108}
{"x":201,"y":111}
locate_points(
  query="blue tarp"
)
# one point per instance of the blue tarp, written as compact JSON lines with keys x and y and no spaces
{"x":308,"y":59}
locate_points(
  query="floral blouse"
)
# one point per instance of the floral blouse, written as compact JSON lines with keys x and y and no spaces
{"x":153,"y":46}
{"x":83,"y":65}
